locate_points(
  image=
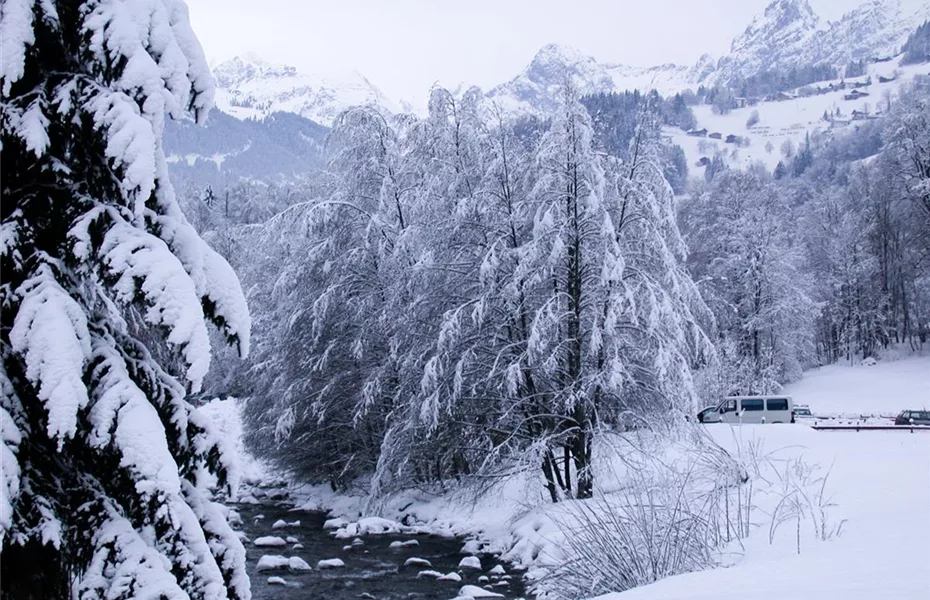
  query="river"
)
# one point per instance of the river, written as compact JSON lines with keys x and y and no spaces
{"x":372,"y":571}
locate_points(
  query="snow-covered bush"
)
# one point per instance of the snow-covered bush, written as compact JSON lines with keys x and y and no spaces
{"x":668,"y":507}
{"x":107,"y":291}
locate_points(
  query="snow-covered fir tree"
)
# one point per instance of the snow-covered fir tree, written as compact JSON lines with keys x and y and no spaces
{"x":108,"y":472}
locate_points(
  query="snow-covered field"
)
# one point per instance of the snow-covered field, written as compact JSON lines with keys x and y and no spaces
{"x":880,"y":483}
{"x":885,"y":388}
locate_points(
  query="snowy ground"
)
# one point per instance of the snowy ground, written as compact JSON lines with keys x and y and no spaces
{"x":886,"y":388}
{"x":881,"y":486}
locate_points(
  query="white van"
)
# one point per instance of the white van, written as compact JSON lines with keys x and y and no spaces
{"x":752,"y":409}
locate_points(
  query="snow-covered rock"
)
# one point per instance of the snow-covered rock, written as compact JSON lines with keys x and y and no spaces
{"x":290,"y":539}
{"x":430,"y":573}
{"x":483,"y":579}
{"x":234,"y":518}
{"x":413,"y":561}
{"x":330,"y":563}
{"x":269,"y":540}
{"x":470,"y":562}
{"x":334,"y":523}
{"x":497,"y":570}
{"x":279,"y":524}
{"x":297,"y":546}
{"x":276,"y":581}
{"x":473,"y":591}
{"x":452,"y":576}
{"x":270,"y":562}
{"x":295,"y":563}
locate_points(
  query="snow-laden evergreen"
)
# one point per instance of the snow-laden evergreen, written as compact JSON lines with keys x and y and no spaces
{"x":108,"y":473}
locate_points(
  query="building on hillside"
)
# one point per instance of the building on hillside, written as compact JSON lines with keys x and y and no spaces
{"x":702,"y":162}
{"x":734,"y":139}
{"x":715,"y":136}
{"x":886,"y":79}
{"x":698,"y":133}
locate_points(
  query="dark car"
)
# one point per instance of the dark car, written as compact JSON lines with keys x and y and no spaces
{"x":802,"y":412}
{"x":913,"y":417}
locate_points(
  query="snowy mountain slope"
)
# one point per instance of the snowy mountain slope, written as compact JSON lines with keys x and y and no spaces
{"x":771,"y":40}
{"x":281,"y":146}
{"x":249,"y":87}
{"x":789,"y":120}
{"x":537,"y":87}
{"x":788,"y":34}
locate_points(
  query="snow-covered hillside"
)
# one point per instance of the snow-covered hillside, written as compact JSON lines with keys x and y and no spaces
{"x":249,"y":87}
{"x":791,"y":119}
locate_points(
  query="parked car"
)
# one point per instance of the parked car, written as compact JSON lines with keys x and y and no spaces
{"x":913,"y":417}
{"x":801,"y":412}
{"x":707,"y":415}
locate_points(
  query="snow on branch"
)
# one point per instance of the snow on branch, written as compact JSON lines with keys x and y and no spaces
{"x":143,"y":265}
{"x":50,"y":334}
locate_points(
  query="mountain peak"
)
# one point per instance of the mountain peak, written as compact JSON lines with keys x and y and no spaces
{"x":250,"y":87}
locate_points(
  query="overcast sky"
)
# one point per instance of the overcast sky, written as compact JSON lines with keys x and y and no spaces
{"x":405,"y":46}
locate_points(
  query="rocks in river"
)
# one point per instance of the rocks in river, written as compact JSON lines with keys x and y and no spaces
{"x":278,"y":494}
{"x":270,"y":562}
{"x":330,"y":563}
{"x":281,"y":524}
{"x":269,"y":540}
{"x":399,"y":545}
{"x":248,"y":500}
{"x":453,"y":576}
{"x":295,"y":563}
{"x":234,"y":518}
{"x":358,"y":542}
{"x":417,"y":562}
{"x":473,"y":591}
{"x":367,"y":596}
{"x":483,"y":579}
{"x":292,"y":540}
{"x":497,"y":570}
{"x":297,"y":547}
{"x":471,"y":547}
{"x":334,"y":523}
{"x":429,"y":573}
{"x":276,"y":581}
{"x":470,"y":562}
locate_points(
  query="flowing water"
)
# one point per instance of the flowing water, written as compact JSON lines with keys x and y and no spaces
{"x":372,"y":571}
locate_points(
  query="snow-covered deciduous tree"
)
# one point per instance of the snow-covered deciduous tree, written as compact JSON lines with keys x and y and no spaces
{"x":751,"y":275}
{"x":579,"y":312}
{"x":108,"y":472}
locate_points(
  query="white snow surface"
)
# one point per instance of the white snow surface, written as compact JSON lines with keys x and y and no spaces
{"x":881,"y":484}
{"x":883,"y":389}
